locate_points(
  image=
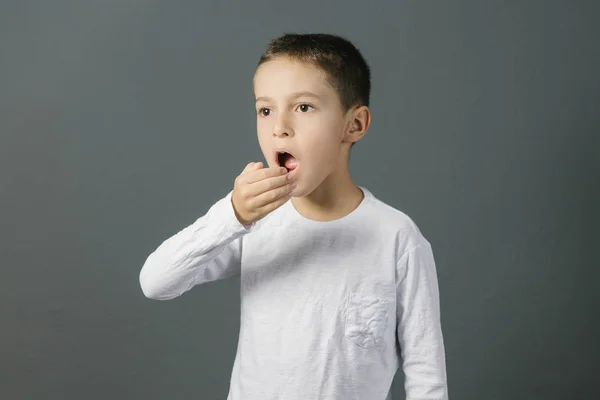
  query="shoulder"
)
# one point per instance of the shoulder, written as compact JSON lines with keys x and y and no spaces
{"x":393,"y":221}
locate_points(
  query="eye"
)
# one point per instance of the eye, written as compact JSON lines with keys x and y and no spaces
{"x":305,"y":107}
{"x":264,"y":112}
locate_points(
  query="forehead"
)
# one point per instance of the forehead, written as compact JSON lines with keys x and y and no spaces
{"x":282,"y":76}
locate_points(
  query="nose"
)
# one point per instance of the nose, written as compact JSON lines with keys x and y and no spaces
{"x":282,"y":127}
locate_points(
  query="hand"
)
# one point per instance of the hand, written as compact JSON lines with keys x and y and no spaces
{"x":258,"y":191}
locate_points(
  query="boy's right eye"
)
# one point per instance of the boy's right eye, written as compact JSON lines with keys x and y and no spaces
{"x":264,"y":112}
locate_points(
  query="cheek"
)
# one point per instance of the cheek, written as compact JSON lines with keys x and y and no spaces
{"x":260,"y":125}
{"x":326,"y":134}
{"x":263,"y":130}
{"x":324,"y":148}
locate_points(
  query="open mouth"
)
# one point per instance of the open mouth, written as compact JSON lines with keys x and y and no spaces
{"x":287,"y":160}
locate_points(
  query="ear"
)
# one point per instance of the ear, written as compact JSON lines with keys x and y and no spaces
{"x":359,"y":119}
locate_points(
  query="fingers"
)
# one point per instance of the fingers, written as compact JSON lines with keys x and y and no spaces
{"x":274,"y":198}
{"x":270,"y":184}
{"x":251,"y":166}
{"x":257,"y":174}
{"x":278,"y":203}
{"x":258,"y":191}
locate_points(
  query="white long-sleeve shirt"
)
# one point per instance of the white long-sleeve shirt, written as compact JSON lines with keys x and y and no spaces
{"x":329,"y":309}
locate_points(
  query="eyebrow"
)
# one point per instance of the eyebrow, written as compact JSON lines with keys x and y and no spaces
{"x":293,"y":96}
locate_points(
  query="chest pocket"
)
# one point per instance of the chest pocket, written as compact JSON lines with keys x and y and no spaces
{"x":367,"y":319}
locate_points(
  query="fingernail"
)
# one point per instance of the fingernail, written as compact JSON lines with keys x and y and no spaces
{"x":283,"y":170}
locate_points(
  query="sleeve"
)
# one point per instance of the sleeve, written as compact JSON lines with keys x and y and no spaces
{"x":419,"y":326}
{"x":207,"y":250}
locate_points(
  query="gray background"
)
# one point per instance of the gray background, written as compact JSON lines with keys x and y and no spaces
{"x":121,"y":122}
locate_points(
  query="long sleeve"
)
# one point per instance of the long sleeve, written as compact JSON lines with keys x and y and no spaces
{"x":207,"y":250}
{"x":419,"y":326}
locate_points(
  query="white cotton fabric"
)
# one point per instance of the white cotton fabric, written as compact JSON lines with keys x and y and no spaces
{"x":329,"y":309}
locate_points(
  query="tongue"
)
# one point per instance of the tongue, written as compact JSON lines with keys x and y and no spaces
{"x":290,"y":162}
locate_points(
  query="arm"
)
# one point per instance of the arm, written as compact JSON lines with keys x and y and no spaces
{"x":419,"y":327}
{"x":208,"y":250}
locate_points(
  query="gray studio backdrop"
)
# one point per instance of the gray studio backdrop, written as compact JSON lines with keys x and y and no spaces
{"x":121,"y":122}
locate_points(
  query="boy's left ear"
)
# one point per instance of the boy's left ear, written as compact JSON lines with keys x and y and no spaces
{"x":360,"y":119}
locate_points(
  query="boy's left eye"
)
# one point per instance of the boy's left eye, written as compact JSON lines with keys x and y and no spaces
{"x":305,"y":107}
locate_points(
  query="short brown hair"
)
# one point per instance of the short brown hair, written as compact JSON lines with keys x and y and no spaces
{"x":345,"y":67}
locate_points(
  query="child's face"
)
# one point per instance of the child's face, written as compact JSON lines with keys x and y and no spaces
{"x":298,"y":111}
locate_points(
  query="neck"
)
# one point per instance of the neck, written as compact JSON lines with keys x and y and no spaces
{"x":336,"y":197}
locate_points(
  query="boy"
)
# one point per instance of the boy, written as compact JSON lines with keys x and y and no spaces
{"x":338,"y":289}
